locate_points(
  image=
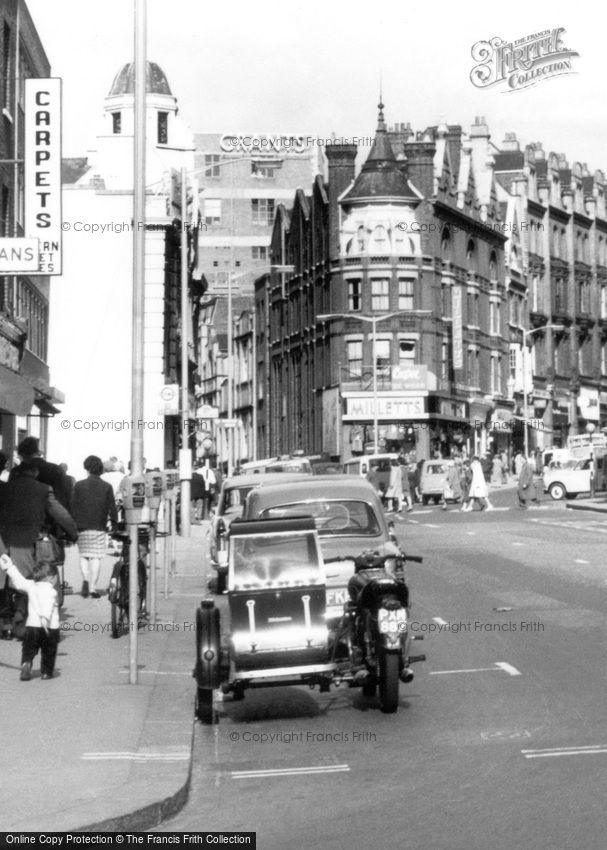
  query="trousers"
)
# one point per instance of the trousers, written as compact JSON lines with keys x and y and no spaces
{"x":46,"y":641}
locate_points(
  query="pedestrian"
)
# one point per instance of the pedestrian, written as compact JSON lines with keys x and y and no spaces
{"x":519,"y":460}
{"x":497,"y":470}
{"x":405,"y":484}
{"x":478,"y":486}
{"x":418,"y":479}
{"x":93,"y":506}
{"x":210,"y":483}
{"x":113,"y":473}
{"x":526,"y":485}
{"x":465,"y":481}
{"x":27,"y":508}
{"x":42,"y":624}
{"x":504,"y":459}
{"x":452,"y":489}
{"x":69,"y":481}
{"x":197,"y":495}
{"x":4,"y":474}
{"x":48,"y":473}
{"x":487,"y":466}
{"x":394,"y":492}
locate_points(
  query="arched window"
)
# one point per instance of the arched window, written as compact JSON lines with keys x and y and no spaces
{"x":445,"y":245}
{"x":380,"y":243}
{"x":493,"y":267}
{"x":361,"y":238}
{"x":470,"y":253}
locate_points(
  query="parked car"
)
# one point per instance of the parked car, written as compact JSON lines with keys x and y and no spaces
{"x":380,"y":463}
{"x":571,"y":478}
{"x":230,"y":504}
{"x":432,"y":480}
{"x":348,"y":516}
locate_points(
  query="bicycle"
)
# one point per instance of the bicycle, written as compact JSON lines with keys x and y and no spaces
{"x":118,"y":591}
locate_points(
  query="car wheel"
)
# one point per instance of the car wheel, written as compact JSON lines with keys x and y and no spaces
{"x":425,"y":500}
{"x":436,"y":500}
{"x":208,"y":646}
{"x":557,"y":491}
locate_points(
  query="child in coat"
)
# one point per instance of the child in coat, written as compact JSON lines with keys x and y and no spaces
{"x":42,"y":624}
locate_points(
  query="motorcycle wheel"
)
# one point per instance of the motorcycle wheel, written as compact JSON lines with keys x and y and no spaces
{"x":204,"y":706}
{"x":388,"y":682}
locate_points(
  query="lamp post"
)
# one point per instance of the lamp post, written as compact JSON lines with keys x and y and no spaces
{"x":527,"y":334}
{"x":373,"y":320}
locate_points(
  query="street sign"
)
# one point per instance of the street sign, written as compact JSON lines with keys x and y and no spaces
{"x":206,"y":411}
{"x":19,"y":255}
{"x":42,"y":171}
{"x":169,"y":399}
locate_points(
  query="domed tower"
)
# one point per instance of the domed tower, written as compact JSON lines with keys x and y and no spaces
{"x":379,"y":208}
{"x":169,"y":142}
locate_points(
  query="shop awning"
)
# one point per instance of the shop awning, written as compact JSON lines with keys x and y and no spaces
{"x":16,"y":395}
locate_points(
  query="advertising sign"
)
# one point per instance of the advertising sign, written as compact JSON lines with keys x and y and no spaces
{"x":42,"y":171}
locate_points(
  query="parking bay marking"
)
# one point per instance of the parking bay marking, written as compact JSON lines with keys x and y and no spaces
{"x":290,"y":771}
{"x":497,"y":666}
{"x":552,"y":752}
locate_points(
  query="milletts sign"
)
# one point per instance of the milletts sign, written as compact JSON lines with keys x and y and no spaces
{"x":43,"y":171}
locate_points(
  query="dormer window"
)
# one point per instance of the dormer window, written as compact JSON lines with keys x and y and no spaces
{"x":116,"y":123}
{"x":163,"y":128}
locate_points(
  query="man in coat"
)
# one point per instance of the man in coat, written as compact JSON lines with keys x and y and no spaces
{"x":27,"y":507}
{"x":526,"y":485}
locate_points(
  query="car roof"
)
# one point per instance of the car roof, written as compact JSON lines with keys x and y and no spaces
{"x":316,"y":487}
{"x":256,"y":479}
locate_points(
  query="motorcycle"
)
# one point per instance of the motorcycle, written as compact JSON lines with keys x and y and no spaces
{"x":373,"y":636}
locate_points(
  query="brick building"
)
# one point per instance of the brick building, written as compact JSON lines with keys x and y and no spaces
{"x":416,"y":234}
{"x":26,"y":397}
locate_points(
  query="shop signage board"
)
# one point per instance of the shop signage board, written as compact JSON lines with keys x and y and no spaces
{"x":42,"y":172}
{"x":361,"y":407}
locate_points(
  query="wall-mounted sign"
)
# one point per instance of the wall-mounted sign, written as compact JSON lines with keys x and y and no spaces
{"x":18,"y":255}
{"x":410,"y":378}
{"x":169,"y":400}
{"x":361,"y":407}
{"x":458,"y":337}
{"x":42,"y":171}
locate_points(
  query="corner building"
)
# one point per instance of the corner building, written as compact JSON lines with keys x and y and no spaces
{"x":412,"y":247}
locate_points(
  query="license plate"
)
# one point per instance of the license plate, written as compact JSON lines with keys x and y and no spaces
{"x":339,"y":596}
{"x":391,"y":621}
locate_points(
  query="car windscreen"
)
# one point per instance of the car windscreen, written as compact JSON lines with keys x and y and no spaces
{"x":275,"y":560}
{"x":331,"y":516}
{"x":234,"y":498}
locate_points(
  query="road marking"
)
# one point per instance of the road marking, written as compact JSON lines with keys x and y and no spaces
{"x":290,"y":771}
{"x":126,"y":756}
{"x":508,"y":668}
{"x":159,"y":672}
{"x":518,"y":544}
{"x":440,"y":621}
{"x":429,"y":525}
{"x":498,"y":666}
{"x":552,"y":752}
{"x":578,"y":525}
{"x":414,"y":521}
{"x":471,"y":533}
{"x":580,"y":561}
{"x":506,"y":735}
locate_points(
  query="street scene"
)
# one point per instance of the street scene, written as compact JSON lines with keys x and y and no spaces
{"x":303,"y":426}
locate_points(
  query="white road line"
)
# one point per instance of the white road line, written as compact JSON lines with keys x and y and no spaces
{"x":518,"y":544}
{"x":498,"y":665}
{"x":440,"y":621}
{"x":414,"y":521}
{"x":553,"y":752}
{"x":580,"y":561}
{"x":471,"y":533}
{"x":160,"y":672}
{"x":290,"y":771}
{"x":429,"y":525}
{"x":136,"y":756}
{"x":508,"y":668}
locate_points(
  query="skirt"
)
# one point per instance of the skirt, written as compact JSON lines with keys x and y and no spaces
{"x":92,"y":544}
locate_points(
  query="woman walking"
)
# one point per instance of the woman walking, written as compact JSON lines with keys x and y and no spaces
{"x":478,"y":486}
{"x":92,"y":506}
{"x":395,"y":491}
{"x":452,"y":489}
{"x":526,"y":485}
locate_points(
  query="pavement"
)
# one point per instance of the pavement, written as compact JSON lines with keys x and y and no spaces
{"x":598,"y":504}
{"x":86,"y":750}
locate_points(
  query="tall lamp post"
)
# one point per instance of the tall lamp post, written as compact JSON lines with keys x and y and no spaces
{"x":373,"y":321}
{"x":526,"y":335}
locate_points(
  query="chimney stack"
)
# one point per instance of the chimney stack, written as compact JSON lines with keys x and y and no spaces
{"x":341,"y":168}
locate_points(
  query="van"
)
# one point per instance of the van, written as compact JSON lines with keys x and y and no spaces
{"x":380,"y":463}
{"x":432,"y":480}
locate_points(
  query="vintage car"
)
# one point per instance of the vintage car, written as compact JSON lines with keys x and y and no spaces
{"x":230,"y":504}
{"x":349,"y":519}
{"x":432,"y":478}
{"x":276,"y":631}
{"x":572,"y":477}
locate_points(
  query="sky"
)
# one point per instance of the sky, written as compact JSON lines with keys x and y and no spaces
{"x":315,"y":67}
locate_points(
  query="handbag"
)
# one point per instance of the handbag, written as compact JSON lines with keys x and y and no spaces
{"x":48,"y":548}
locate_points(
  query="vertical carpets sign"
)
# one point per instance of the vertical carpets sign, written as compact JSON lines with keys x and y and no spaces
{"x":42,"y":171}
{"x":458,"y":342}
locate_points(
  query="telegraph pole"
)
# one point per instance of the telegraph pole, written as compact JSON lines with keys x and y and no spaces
{"x":185,"y":457}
